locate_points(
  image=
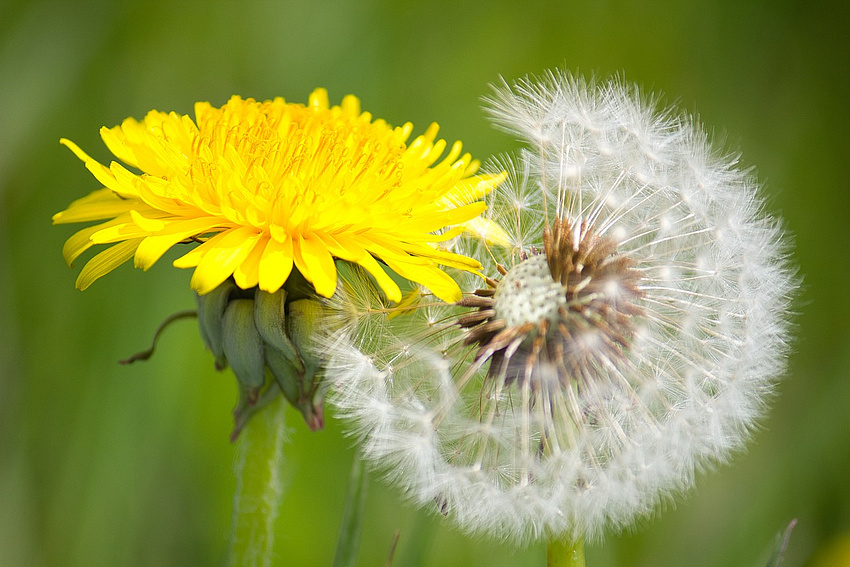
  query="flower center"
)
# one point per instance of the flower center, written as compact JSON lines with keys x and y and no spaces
{"x":529,"y":294}
{"x":566,"y":313}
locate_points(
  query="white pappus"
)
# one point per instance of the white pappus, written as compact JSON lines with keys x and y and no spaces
{"x":629,"y":336}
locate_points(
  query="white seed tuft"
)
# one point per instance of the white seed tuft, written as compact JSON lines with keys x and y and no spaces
{"x":655,"y":365}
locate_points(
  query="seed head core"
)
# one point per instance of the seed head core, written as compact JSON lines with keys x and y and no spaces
{"x":529,"y":294}
{"x":570,"y":308}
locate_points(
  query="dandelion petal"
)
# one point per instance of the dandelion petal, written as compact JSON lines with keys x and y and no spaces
{"x":228,"y":251}
{"x":275,"y":265}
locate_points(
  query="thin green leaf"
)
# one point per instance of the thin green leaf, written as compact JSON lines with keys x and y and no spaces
{"x":348,"y":545}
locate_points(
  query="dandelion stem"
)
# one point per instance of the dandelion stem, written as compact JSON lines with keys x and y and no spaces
{"x":259,"y":488}
{"x":565,"y":553}
{"x":348,"y":544}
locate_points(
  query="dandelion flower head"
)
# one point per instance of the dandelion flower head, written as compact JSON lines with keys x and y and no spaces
{"x":625,"y":340}
{"x":265,"y":186}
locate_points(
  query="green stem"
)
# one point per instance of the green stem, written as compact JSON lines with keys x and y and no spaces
{"x":565,"y":554}
{"x":348,"y":543}
{"x":259,"y":488}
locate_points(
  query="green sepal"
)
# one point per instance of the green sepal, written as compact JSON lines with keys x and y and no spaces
{"x":211,"y":307}
{"x":269,"y":320}
{"x":305,"y":317}
{"x":285,"y":375}
{"x":243,"y":347}
{"x":292,"y":385}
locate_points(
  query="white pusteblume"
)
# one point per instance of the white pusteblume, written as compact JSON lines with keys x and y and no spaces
{"x":628,"y":337}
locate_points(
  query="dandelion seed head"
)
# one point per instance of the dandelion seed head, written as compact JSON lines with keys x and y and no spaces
{"x":627,"y":337}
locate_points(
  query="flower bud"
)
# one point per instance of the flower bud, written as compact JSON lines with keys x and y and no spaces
{"x":266,"y":339}
{"x":269,"y":319}
{"x":291,"y":383}
{"x":243,"y":347}
{"x":304,"y":322}
{"x":211,"y":308}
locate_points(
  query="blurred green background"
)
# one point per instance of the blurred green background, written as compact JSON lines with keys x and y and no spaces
{"x":108,"y":465}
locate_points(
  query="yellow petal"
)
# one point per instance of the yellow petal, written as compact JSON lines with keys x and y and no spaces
{"x":437,"y":219}
{"x":431,"y":277}
{"x":96,"y":197}
{"x":319,"y":268}
{"x":153,"y":247}
{"x":81,"y":241}
{"x":126,"y":182}
{"x":381,"y":247}
{"x":488,"y":231}
{"x":119,"y":232}
{"x":385,"y":282}
{"x":472,"y":189}
{"x":405,"y":303}
{"x":351,"y":105}
{"x":448,"y":259}
{"x":97,"y":205}
{"x":247,"y":274}
{"x":100,"y":171}
{"x":81,"y":155}
{"x":106,"y":261}
{"x":318,"y":99}
{"x":228,"y":251}
{"x":193,"y":257}
{"x":151,"y":190}
{"x":147,"y":224}
{"x":140,"y":142}
{"x":347,"y":249}
{"x":420,"y":254}
{"x":115,"y":140}
{"x":275,"y":265}
{"x":429,"y":237}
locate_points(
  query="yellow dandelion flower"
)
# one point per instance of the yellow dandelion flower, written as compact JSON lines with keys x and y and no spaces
{"x":268,"y":186}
